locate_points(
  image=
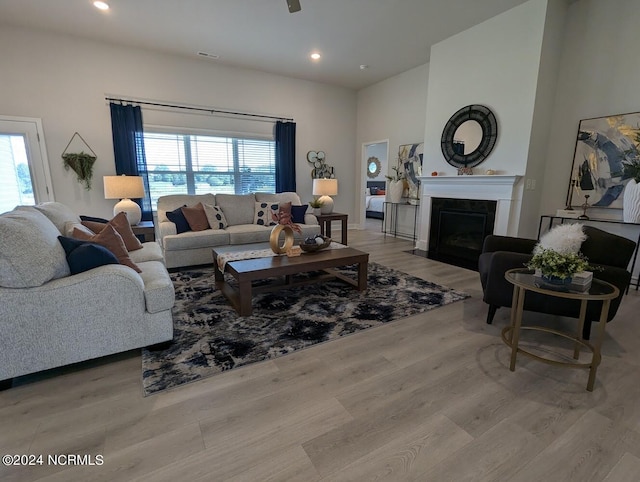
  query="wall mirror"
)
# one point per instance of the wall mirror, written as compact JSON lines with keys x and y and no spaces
{"x":373,"y":167}
{"x":469,"y":136}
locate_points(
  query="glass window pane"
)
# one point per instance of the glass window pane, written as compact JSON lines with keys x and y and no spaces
{"x":217,"y":164}
{"x":15,"y":178}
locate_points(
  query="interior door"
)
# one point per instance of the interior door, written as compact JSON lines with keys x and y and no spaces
{"x":25,"y":178}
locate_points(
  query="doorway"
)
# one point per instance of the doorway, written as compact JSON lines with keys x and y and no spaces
{"x":375,"y":166}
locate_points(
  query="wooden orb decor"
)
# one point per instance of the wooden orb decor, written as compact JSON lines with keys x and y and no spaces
{"x":274,"y":240}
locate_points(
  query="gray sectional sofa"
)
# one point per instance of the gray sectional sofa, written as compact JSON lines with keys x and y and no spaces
{"x":194,"y":247}
{"x":49,"y":318}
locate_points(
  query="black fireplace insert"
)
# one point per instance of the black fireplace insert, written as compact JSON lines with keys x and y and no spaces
{"x":458,"y":228}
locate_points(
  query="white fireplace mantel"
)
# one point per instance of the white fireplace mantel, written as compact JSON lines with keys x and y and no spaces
{"x":505,"y":190}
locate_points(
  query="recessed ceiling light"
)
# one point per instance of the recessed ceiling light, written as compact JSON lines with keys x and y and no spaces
{"x":101,"y":5}
{"x":315,"y":56}
{"x":364,"y":67}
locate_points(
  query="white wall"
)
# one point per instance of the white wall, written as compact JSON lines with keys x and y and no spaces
{"x":393,"y":109}
{"x":550,"y":61}
{"x":496,"y":64}
{"x":63,"y":80}
{"x":599,"y":76}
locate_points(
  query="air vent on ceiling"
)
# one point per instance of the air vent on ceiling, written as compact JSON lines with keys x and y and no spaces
{"x":208,"y":55}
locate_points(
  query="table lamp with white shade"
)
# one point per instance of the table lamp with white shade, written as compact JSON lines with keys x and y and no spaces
{"x":125,"y":188}
{"x":325,"y":188}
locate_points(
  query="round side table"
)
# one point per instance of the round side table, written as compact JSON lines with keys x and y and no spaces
{"x":525,"y":280}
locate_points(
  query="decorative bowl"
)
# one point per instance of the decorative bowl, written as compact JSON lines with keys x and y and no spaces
{"x":313,"y":247}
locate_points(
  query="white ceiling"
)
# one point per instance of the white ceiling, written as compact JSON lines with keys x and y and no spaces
{"x":390,"y":36}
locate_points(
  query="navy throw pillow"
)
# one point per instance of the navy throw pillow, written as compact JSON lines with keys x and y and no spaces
{"x":177,"y":217}
{"x":297,"y":213}
{"x":83,"y":256}
{"x":94,"y":219}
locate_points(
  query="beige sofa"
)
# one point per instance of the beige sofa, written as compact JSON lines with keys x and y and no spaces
{"x":50,"y":318}
{"x":194,"y":247}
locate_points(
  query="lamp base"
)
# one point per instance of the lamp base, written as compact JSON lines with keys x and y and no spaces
{"x":327,"y":205}
{"x":131,"y":209}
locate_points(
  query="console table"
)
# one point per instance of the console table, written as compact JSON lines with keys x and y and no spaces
{"x":391,"y":214}
{"x":325,"y":224}
{"x":562,"y":219}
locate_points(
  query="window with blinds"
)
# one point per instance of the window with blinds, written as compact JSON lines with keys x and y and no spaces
{"x":196,"y":164}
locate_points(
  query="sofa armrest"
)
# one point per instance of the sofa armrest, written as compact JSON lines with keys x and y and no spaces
{"x":492,"y":267}
{"x":507,"y":243}
{"x":310,"y":219}
{"x":79,"y":297}
{"x":166,"y":228}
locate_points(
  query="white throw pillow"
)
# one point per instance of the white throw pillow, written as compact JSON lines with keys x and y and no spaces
{"x":215,"y":216}
{"x":564,"y":238}
{"x":266,"y":213}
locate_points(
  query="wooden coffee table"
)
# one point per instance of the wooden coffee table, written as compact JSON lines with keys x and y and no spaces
{"x":249,"y":270}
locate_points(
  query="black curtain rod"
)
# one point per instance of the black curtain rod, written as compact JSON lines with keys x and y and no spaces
{"x":199,"y":109}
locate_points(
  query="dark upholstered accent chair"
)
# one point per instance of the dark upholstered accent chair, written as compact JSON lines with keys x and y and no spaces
{"x":608,"y":251}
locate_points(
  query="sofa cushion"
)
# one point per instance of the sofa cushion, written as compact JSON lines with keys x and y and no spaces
{"x":248,"y":233}
{"x":83,"y":256}
{"x":58,"y":214}
{"x":237,"y":208}
{"x":94,"y":219}
{"x":265,"y":214}
{"x":150,"y":251}
{"x":279,"y":197}
{"x":177,"y":217}
{"x":31,"y":254}
{"x":196,"y":217}
{"x":298,"y":212}
{"x":110,"y":239}
{"x":215,"y":217}
{"x":120,"y":223}
{"x":196,"y":239}
{"x":69,"y":226}
{"x":173,"y":201}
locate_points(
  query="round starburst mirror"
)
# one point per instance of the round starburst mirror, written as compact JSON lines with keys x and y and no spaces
{"x":373,"y":167}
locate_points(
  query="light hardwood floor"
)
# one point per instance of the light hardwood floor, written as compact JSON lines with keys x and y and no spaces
{"x":426,"y":398}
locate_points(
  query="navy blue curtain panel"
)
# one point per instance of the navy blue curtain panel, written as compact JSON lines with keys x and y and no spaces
{"x":285,"y":156}
{"x":128,"y":149}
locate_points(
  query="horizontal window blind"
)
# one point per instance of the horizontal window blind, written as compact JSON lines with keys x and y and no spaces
{"x":195,"y":164}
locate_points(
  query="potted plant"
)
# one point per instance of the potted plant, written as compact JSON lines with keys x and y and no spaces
{"x":316,"y":204}
{"x":396,"y":185}
{"x":558,"y":267}
{"x":631,"y":197}
{"x":82,"y":165}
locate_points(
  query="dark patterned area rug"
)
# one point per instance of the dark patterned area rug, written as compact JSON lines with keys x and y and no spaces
{"x":209,"y":336}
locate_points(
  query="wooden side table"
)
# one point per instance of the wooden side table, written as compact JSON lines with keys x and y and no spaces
{"x":325,"y":224}
{"x":524,"y":280}
{"x":145,"y":231}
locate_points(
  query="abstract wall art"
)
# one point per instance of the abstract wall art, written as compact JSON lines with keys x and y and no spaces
{"x":602,"y":144}
{"x":410,"y":164}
